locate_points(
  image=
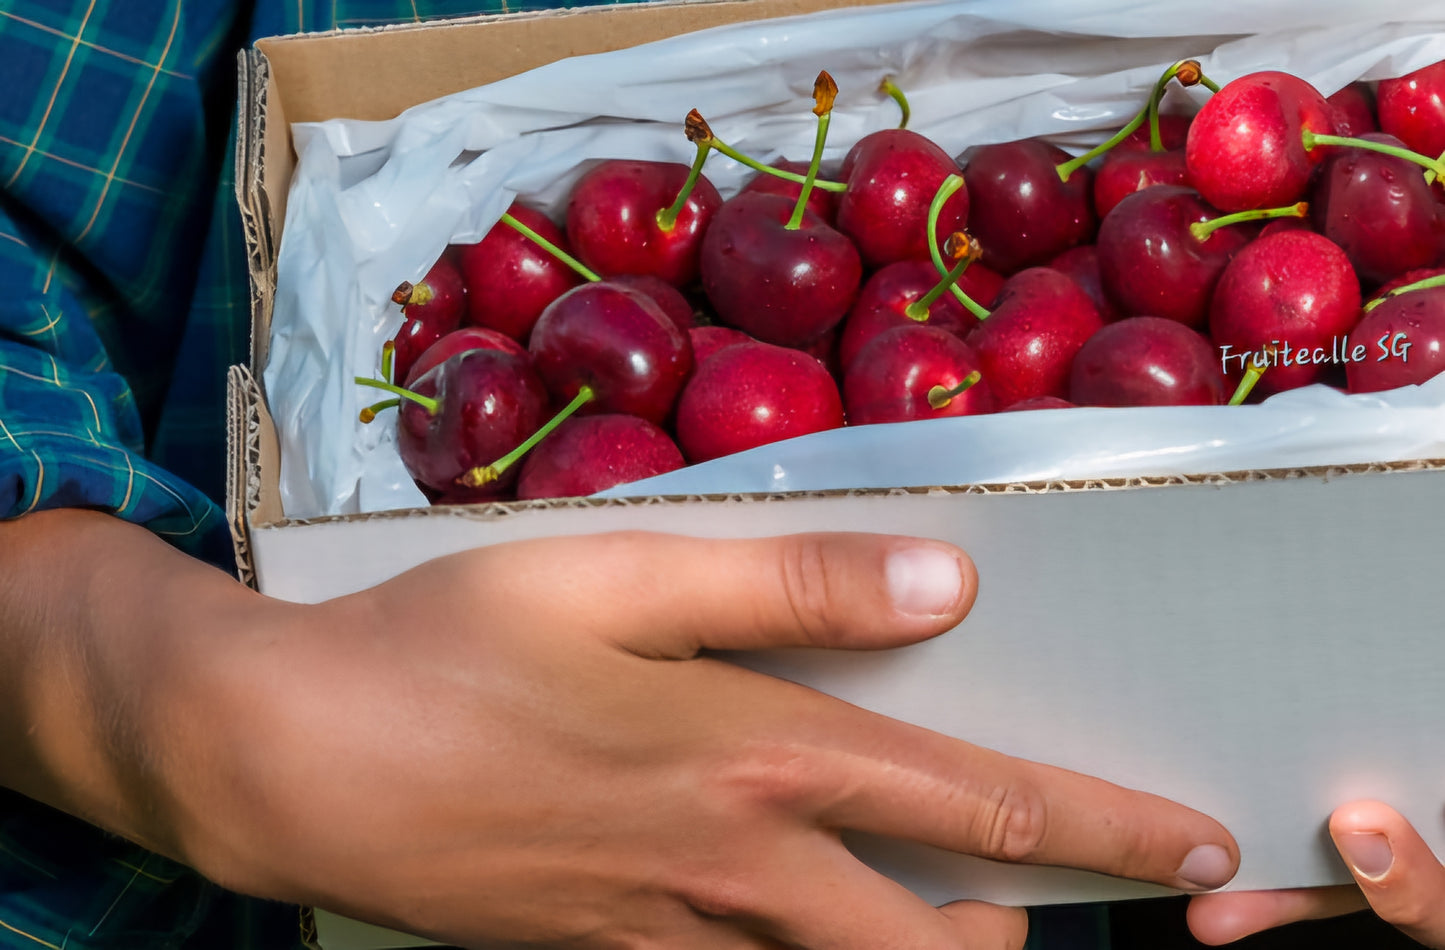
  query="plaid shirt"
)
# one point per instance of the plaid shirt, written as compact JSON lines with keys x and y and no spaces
{"x":123,"y":298}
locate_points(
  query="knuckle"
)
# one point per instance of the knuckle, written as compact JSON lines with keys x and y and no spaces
{"x":1013,"y":824}
{"x":764,"y":777}
{"x":807,"y":584}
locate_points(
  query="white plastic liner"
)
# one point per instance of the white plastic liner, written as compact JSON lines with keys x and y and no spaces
{"x":374,"y":203}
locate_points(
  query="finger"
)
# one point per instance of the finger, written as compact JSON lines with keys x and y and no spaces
{"x":1396,"y":871}
{"x":675,"y":595}
{"x":927,"y":787}
{"x":816,"y":894}
{"x":1006,"y":928}
{"x":1225,"y":917}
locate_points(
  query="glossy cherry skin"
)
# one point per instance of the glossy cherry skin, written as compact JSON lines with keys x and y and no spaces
{"x":821,"y":202}
{"x":778,"y":285}
{"x":589,"y":454}
{"x":510,"y":278}
{"x":489,"y":402}
{"x":753,"y":394}
{"x":892,"y":177}
{"x":1416,"y":318}
{"x":441,"y":304}
{"x":612,"y":220}
{"x":1028,"y":343}
{"x":668,"y":298}
{"x":1354,"y":107}
{"x":1147,"y":361}
{"x":885,"y":297}
{"x":1039,"y":402}
{"x":708,"y":340}
{"x":1245,"y":147}
{"x":616,"y":341}
{"x":1123,"y":173}
{"x":1082,"y":264}
{"x":1020,"y":211}
{"x":459,"y":341}
{"x":1409,"y":277}
{"x":1379,"y":209}
{"x":1293,"y":288}
{"x":1412,"y":108}
{"x":893,"y":374}
{"x":1152,"y":265}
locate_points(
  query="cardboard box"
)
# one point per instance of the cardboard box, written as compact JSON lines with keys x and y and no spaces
{"x":1259,"y":645}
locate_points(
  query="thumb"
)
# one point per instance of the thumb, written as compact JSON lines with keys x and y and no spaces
{"x":1394,"y":867}
{"x":669,"y":596}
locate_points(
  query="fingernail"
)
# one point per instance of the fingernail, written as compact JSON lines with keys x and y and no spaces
{"x":1206,"y":867}
{"x":1368,"y":853}
{"x":924,"y":581}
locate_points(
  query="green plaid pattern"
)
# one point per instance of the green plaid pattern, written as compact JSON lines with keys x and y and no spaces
{"x":123,"y":298}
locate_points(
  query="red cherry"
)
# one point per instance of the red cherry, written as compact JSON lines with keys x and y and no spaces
{"x":1404,"y":340}
{"x":1147,"y":361}
{"x":1027,"y":344}
{"x":618,"y":343}
{"x":612,"y":220}
{"x":708,"y":340}
{"x":1354,"y":107}
{"x":914,"y":372}
{"x":753,"y":394}
{"x":1021,"y":212}
{"x":511,"y":279}
{"x":779,"y":285}
{"x":1151,"y":263}
{"x":1412,"y":108}
{"x":1292,"y":295}
{"x":589,"y":454}
{"x":1246,"y":147}
{"x":892,"y":176}
{"x":487,"y":403}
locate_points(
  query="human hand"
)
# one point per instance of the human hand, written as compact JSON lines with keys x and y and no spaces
{"x":1396,"y":875}
{"x":526,"y":745}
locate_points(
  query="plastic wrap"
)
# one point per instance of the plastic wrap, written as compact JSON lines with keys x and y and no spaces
{"x":375,"y":203}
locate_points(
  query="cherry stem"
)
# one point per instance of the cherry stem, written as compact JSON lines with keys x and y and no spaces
{"x":486,"y":474}
{"x":938,"y":397}
{"x":426,"y":402}
{"x":1430,"y":176}
{"x":549,"y":247}
{"x":887,"y":86}
{"x":408,"y":293}
{"x":368,"y":415}
{"x":1312,"y":139}
{"x":1437,"y":281}
{"x":388,"y":360}
{"x":1252,"y":373}
{"x":1149,"y":112}
{"x":667,"y":218}
{"x":966,"y":250}
{"x":699,"y":131}
{"x":945,"y":191}
{"x":1202,"y":229}
{"x":825,"y":90}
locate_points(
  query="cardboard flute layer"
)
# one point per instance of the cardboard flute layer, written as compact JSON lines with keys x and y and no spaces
{"x":1258,"y":645}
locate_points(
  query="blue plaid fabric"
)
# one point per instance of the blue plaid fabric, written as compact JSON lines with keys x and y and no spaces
{"x":123,"y":298}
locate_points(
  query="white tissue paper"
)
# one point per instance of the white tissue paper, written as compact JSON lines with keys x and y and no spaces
{"x":375,"y":203}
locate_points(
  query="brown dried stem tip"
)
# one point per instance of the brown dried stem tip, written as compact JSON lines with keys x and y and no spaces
{"x":962,"y":245}
{"x":697,"y":129}
{"x":825,"y":90}
{"x":402,"y":294}
{"x":1189,"y":72}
